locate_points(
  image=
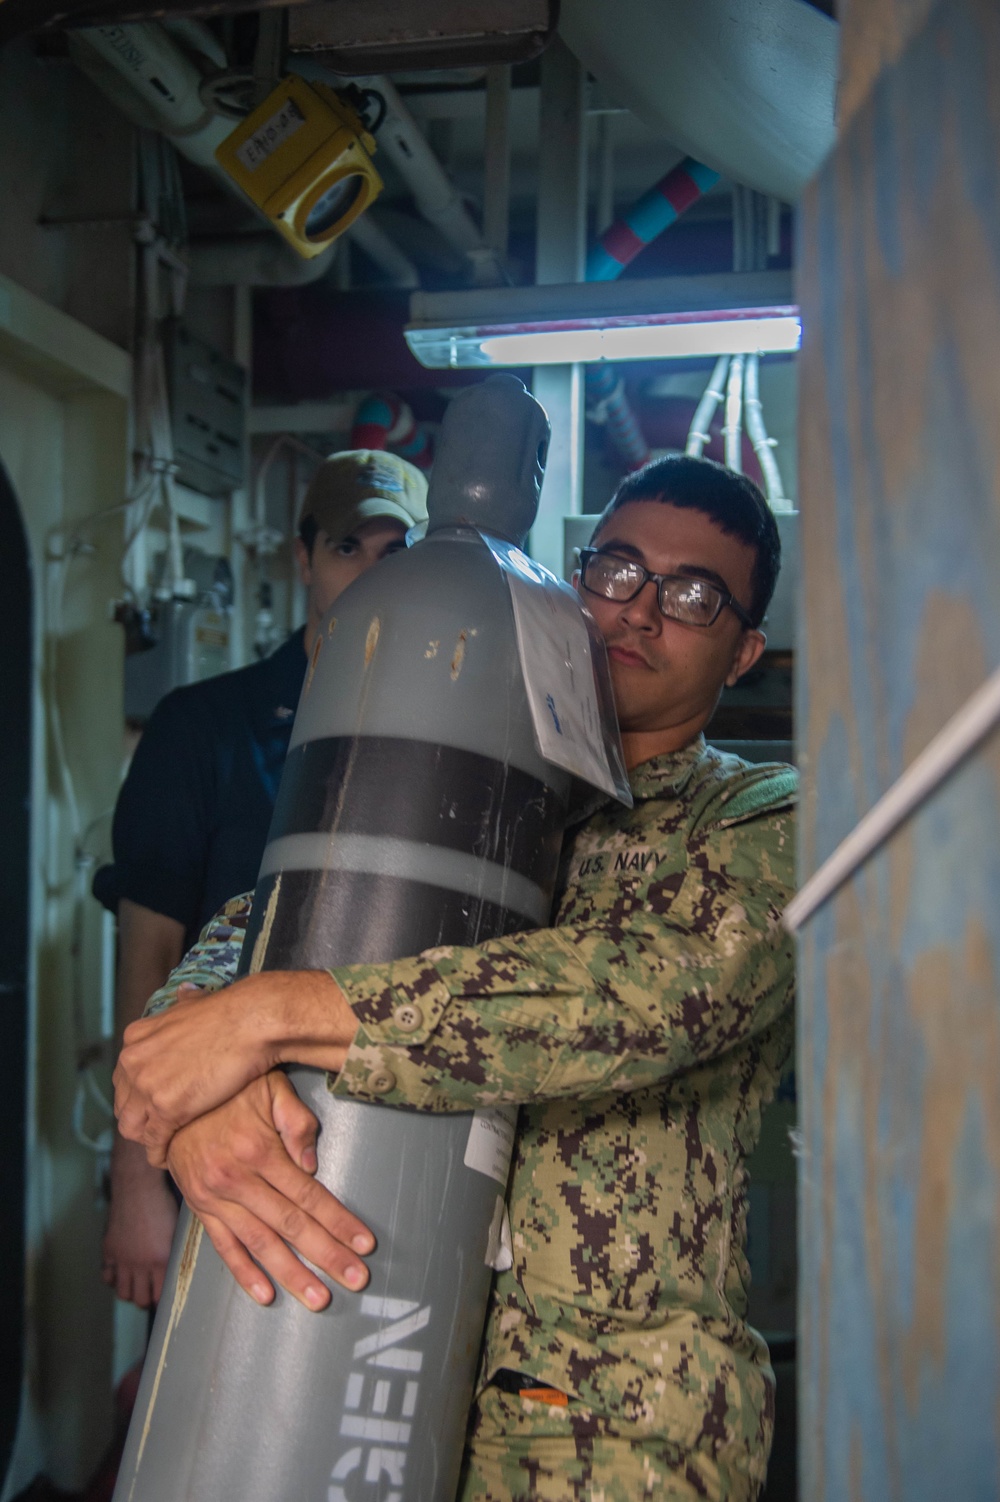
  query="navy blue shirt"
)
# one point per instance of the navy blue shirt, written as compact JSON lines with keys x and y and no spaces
{"x":193,"y":813}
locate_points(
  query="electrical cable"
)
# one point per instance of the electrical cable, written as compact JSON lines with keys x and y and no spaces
{"x":763,"y":446}
{"x":732,"y":432}
{"x":701,"y":424}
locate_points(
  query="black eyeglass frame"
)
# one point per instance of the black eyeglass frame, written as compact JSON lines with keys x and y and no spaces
{"x":586,"y":554}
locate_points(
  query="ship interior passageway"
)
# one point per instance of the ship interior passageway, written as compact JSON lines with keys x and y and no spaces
{"x":240,"y":237}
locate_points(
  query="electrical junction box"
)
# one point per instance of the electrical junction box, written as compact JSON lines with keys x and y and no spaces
{"x":208,"y":402}
{"x":304,"y":158}
{"x":190,"y":638}
{"x":192,"y":643}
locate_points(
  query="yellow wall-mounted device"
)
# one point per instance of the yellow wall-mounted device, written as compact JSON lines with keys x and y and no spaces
{"x":304,"y":158}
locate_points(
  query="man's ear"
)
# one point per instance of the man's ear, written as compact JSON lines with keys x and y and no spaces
{"x":751,"y":645}
{"x":301,"y":554}
{"x":575,"y":580}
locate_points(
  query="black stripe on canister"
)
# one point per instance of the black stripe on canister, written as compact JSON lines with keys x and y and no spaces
{"x":324,"y":918}
{"x":365,"y":785}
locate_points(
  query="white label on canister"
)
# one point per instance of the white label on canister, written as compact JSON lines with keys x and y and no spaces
{"x":560,"y":674}
{"x":272,"y":134}
{"x":491,"y":1142}
{"x":499,"y":1249}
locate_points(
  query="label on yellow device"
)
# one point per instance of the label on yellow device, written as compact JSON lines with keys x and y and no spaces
{"x":304,"y":158}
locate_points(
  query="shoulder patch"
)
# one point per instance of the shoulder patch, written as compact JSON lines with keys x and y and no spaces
{"x":777,"y":789}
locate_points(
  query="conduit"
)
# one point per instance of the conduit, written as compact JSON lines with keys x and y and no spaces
{"x":763,"y":446}
{"x":732,"y":432}
{"x":701,"y":424}
{"x":384,"y":422}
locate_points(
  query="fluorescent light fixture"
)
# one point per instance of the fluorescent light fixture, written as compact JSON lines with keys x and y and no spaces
{"x":765,"y":335}
{"x":665,"y":319}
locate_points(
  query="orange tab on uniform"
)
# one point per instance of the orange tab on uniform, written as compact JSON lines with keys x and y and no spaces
{"x":545,"y":1395}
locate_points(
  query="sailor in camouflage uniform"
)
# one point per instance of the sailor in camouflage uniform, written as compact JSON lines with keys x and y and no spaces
{"x":641,"y":1034}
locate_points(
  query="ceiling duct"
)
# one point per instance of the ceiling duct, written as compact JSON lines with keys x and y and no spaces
{"x":746,"y":88}
{"x":376,"y":36}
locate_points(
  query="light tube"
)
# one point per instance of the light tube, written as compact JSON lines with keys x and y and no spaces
{"x":656,"y":341}
{"x":659,"y":338}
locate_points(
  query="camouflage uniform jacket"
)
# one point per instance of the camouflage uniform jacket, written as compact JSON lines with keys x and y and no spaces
{"x":641,"y":1034}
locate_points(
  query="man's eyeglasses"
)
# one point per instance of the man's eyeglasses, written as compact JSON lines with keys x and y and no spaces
{"x":693,"y":601}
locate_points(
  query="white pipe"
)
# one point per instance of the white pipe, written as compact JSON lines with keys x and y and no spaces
{"x":763,"y":446}
{"x":161,"y":86}
{"x":148,"y":77}
{"x":257,"y":260}
{"x":732,"y":432}
{"x":436,"y":196}
{"x":979,"y":715}
{"x":701,"y":424}
{"x":384,"y":251}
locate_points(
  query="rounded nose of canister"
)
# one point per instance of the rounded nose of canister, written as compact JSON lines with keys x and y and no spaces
{"x":491,"y":459}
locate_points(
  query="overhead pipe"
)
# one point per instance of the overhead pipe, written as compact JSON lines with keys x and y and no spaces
{"x":384,"y":421}
{"x":620,"y":243}
{"x":437,"y":199}
{"x":648,"y":217}
{"x":146,"y":74}
{"x":263,"y":260}
{"x":256,"y":260}
{"x":383,"y":250}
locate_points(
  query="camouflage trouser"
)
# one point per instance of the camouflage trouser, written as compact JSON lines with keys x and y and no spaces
{"x":521,"y":1450}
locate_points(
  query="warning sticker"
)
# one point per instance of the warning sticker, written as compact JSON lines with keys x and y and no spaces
{"x":491,"y":1142}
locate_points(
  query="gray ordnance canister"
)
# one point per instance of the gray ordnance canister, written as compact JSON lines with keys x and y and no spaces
{"x":414,"y":811}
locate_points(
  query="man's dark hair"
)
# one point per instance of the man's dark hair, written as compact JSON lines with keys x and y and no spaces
{"x":734,"y":503}
{"x":308,"y":531}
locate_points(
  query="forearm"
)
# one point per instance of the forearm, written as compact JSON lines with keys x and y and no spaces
{"x":202,"y":1051}
{"x":575,"y":1011}
{"x":211,"y":962}
{"x":149,"y":946}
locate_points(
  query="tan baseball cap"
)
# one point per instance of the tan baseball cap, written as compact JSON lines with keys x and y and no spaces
{"x":359,"y":485}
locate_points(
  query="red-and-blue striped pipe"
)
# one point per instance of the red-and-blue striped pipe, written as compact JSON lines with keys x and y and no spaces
{"x":605,"y":389}
{"x":383,"y":421}
{"x":648,"y":217}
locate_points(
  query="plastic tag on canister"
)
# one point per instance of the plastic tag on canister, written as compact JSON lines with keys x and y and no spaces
{"x":566,"y":676}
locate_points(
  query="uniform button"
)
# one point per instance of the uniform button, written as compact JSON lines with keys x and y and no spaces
{"x":381,"y":1081}
{"x":408,"y":1017}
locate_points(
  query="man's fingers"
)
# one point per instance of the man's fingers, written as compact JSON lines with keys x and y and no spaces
{"x":277,"y":1204}
{"x":335,"y":1218}
{"x":297,"y":1128}
{"x":295,"y":1123}
{"x":243,"y":1268}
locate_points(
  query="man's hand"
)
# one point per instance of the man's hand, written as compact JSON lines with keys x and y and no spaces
{"x":246,"y":1170}
{"x":141,"y":1220}
{"x":179,"y":1064}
